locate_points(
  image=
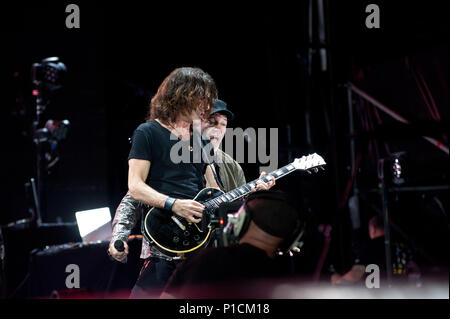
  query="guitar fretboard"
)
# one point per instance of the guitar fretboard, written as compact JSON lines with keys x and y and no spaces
{"x":247,"y":188}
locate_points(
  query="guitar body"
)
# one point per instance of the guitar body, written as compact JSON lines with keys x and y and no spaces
{"x":167,"y":235}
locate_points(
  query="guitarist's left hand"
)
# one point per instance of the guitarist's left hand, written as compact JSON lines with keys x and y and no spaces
{"x":261,"y":185}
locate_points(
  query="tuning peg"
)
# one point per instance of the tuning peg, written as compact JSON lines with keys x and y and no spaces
{"x":321,"y":167}
{"x":308,"y":171}
{"x":315,"y":170}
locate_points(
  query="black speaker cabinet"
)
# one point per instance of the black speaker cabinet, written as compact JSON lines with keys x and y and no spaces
{"x":82,"y":270}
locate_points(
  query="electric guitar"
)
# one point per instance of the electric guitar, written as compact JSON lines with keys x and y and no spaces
{"x":173,"y":235}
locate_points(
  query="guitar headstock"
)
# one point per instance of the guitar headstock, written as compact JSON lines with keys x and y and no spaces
{"x":311,"y":162}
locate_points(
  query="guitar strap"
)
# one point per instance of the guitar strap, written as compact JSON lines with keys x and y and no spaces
{"x":209,"y":161}
{"x":217,"y":177}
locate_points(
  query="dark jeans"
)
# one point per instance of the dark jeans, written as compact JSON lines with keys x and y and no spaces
{"x":153,"y":277}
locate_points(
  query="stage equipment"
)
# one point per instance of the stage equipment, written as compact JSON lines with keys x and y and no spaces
{"x":352,"y":88}
{"x":385,"y":211}
{"x":47,"y":77}
{"x":391,"y":167}
{"x":397,"y":162}
{"x":98,"y":275}
{"x":48,"y":74}
{"x":94,"y":224}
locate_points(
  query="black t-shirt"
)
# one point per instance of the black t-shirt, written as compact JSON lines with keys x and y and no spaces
{"x":374,"y":253}
{"x":170,"y":173}
{"x":230,"y":272}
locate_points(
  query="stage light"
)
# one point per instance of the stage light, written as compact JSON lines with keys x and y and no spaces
{"x":57,"y":129}
{"x":397,"y":170}
{"x":49,"y":73}
{"x":94,"y":224}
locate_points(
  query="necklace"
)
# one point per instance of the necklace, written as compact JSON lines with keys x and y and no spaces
{"x":180,"y":135}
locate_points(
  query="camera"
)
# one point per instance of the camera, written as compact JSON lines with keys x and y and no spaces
{"x":223,"y":221}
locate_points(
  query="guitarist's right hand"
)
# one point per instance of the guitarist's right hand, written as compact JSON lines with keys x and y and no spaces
{"x":189,"y":209}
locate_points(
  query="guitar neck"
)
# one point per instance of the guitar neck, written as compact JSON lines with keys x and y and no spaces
{"x":247,"y":188}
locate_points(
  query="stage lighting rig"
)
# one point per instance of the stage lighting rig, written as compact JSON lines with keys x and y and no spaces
{"x":47,"y":77}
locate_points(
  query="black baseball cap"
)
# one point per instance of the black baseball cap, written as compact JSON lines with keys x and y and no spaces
{"x":221,"y":107}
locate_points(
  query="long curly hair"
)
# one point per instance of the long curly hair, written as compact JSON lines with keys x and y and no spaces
{"x":181,"y":92}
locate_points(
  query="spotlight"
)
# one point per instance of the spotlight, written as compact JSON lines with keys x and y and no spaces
{"x":94,"y":224}
{"x":397,"y":170}
{"x":58,"y":129}
{"x":49,"y":73}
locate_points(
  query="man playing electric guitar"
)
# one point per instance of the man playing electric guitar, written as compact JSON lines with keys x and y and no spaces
{"x":184,"y":97}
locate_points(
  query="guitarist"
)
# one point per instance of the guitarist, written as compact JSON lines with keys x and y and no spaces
{"x":184,"y":96}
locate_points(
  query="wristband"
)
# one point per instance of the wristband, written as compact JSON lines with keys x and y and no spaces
{"x":169,"y":203}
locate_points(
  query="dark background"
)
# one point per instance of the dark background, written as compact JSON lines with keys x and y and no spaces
{"x":258,"y":56}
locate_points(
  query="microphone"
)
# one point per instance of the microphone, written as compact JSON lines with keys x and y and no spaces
{"x":119,"y":246}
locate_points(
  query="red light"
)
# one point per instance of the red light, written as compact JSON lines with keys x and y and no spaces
{"x":221,"y":222}
{"x":35,"y":92}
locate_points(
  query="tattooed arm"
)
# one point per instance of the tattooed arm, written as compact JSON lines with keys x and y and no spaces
{"x":125,"y":219}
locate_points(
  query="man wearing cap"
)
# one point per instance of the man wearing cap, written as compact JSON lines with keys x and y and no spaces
{"x":230,"y":172}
